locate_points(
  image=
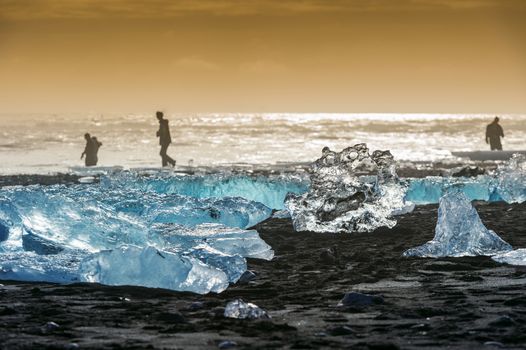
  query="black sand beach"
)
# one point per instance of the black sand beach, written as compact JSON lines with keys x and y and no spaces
{"x":456,"y":303}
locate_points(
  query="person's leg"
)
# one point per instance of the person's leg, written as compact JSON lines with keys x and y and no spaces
{"x":168,"y":158}
{"x":492,"y":144}
{"x":163,"y":155}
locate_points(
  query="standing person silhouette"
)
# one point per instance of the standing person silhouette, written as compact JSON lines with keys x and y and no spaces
{"x":91,"y":150}
{"x":164,"y":139}
{"x":96,"y":145}
{"x":493,"y":133}
{"x":88,"y":151}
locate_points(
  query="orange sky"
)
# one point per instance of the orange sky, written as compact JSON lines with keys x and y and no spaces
{"x":457,"y":56}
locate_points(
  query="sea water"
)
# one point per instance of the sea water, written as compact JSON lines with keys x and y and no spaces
{"x":42,"y":143}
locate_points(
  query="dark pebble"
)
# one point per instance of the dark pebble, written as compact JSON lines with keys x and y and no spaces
{"x":359,"y":300}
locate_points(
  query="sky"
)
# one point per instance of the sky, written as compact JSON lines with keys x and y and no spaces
{"x":362,"y":56}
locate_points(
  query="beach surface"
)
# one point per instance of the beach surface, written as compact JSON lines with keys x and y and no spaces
{"x":454,"y":303}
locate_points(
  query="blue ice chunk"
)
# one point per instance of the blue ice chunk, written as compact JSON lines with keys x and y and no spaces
{"x":459,"y":231}
{"x":72,"y":220}
{"x":233,"y":265}
{"x":121,"y":223}
{"x":29,"y":266}
{"x":57,"y":219}
{"x":233,"y":212}
{"x":269,"y":190}
{"x":150,"y":267}
{"x":227,"y":240}
{"x":507,"y":184}
{"x":429,"y":190}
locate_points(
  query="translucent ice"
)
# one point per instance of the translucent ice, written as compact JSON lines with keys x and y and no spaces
{"x":29,"y":266}
{"x":243,"y":310}
{"x":429,"y":190}
{"x":124,"y":235}
{"x":507,"y":184}
{"x":149,"y":267}
{"x":268,"y":190}
{"x":515,"y":257}
{"x":230,"y":241}
{"x":339,"y":200}
{"x":459,"y":231}
{"x":511,"y":180}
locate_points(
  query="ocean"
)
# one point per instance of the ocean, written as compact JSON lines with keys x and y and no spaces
{"x":47,"y":143}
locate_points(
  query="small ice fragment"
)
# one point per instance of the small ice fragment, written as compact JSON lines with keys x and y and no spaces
{"x":515,"y":257}
{"x":246,"y":277}
{"x":87,"y":180}
{"x":227,"y":344}
{"x":340,"y":330}
{"x":281,"y":214}
{"x":50,"y":327}
{"x":242,"y":310}
{"x":459,"y":231}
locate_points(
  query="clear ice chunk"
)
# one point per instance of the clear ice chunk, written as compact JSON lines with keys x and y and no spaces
{"x":242,"y":310}
{"x":30,"y":266}
{"x":150,"y":267}
{"x":117,"y":227}
{"x":340,"y":200}
{"x":511,"y":179}
{"x":459,"y":231}
{"x":515,"y":257}
{"x":227,"y":240}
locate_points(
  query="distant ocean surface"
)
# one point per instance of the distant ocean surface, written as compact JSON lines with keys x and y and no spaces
{"x":44,"y":143}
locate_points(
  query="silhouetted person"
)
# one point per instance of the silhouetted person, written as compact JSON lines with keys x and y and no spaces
{"x":493,"y":133}
{"x":91,"y":150}
{"x":164,"y":139}
{"x":96,"y":145}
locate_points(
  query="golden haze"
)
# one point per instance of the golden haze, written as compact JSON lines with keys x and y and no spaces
{"x":263,"y":56}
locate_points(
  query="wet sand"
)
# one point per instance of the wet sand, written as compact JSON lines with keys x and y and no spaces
{"x":454,"y":303}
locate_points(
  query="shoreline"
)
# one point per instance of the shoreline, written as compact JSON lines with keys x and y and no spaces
{"x":404,"y":170}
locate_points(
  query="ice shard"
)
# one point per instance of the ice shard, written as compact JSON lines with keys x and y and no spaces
{"x":150,"y":267}
{"x":515,"y":257}
{"x":340,"y":200}
{"x":511,"y":179}
{"x":230,"y":241}
{"x":243,"y":310}
{"x":459,"y":231}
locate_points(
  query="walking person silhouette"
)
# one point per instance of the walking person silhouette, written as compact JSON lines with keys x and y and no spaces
{"x":164,"y":139}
